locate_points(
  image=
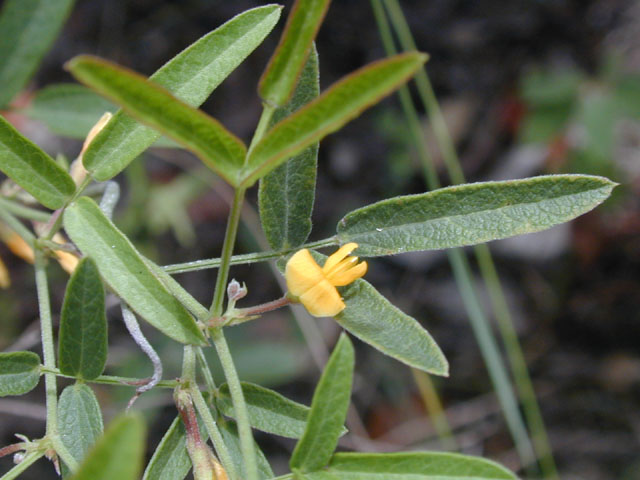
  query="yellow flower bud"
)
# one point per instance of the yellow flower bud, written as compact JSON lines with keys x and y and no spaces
{"x":315,"y":286}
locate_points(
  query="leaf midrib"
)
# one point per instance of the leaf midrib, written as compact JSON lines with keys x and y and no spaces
{"x":452,"y":217}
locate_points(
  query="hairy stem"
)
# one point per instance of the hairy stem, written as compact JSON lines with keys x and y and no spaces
{"x":26,"y":462}
{"x":243,"y":259}
{"x":214,"y":433}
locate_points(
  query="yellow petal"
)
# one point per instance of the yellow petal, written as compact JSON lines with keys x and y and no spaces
{"x":338,"y":256}
{"x":67,"y":260}
{"x":323,"y":300}
{"x":302,"y":273}
{"x":5,"y":279}
{"x":19,"y":247}
{"x":341,"y":279}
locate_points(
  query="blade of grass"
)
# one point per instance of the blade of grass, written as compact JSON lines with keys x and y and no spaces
{"x":463,"y":277}
{"x":488,"y":271}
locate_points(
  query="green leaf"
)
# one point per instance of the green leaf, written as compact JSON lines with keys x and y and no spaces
{"x":82,"y":347}
{"x":153,"y":105}
{"x":281,"y":75}
{"x":268,"y":410}
{"x":410,"y":466}
{"x":19,"y":373}
{"x":287,"y":193}
{"x":118,"y":454}
{"x":191,"y":76}
{"x":32,"y":169}
{"x":229,"y":431}
{"x":374,"y":320}
{"x":27,"y":30}
{"x":68,"y":109}
{"x":470,"y":214}
{"x":125,"y":271}
{"x":79,"y":419}
{"x":344,"y":101}
{"x":328,"y":410}
{"x":171,"y":460}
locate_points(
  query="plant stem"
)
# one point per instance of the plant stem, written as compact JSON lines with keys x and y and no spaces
{"x":26,"y":462}
{"x":239,"y":404}
{"x":237,"y":397}
{"x":243,"y":259}
{"x":261,"y":129}
{"x":227,"y":251}
{"x":23,"y":211}
{"x":113,"y":380}
{"x":46,"y":329}
{"x":206,"y":371}
{"x":262,"y":308}
{"x":49,"y":360}
{"x":214,"y":433}
{"x":188,"y":376}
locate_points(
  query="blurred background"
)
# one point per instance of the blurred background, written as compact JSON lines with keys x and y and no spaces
{"x":527,"y":87}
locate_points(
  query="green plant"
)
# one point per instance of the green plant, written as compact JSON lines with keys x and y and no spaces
{"x":282,"y":158}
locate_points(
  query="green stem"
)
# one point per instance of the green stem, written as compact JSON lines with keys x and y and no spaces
{"x":239,"y":404}
{"x":48,"y":352}
{"x":49,"y":361}
{"x":214,"y":433}
{"x":237,"y":397}
{"x":227,"y":251}
{"x":26,"y":462}
{"x":24,"y":212}
{"x":188,"y":376}
{"x":58,"y":214}
{"x":206,"y":371}
{"x":261,"y":129}
{"x":113,"y":380}
{"x":246,"y":258}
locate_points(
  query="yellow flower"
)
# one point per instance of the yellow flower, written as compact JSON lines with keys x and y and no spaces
{"x":22,"y":249}
{"x":315,"y":286}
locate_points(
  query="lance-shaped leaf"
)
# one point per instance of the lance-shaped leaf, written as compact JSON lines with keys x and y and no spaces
{"x":79,"y":419}
{"x":229,"y":431}
{"x":125,"y":271}
{"x":82,"y":344}
{"x":27,"y":30}
{"x":374,"y":320}
{"x":410,"y":465}
{"x":287,"y":193}
{"x":153,"y":105}
{"x":344,"y":101}
{"x":191,"y":76}
{"x":470,"y":214}
{"x":32,"y":169}
{"x":19,"y":373}
{"x":328,"y":411}
{"x":118,"y":454}
{"x":279,"y":78}
{"x":268,"y":410}
{"x":171,"y":460}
